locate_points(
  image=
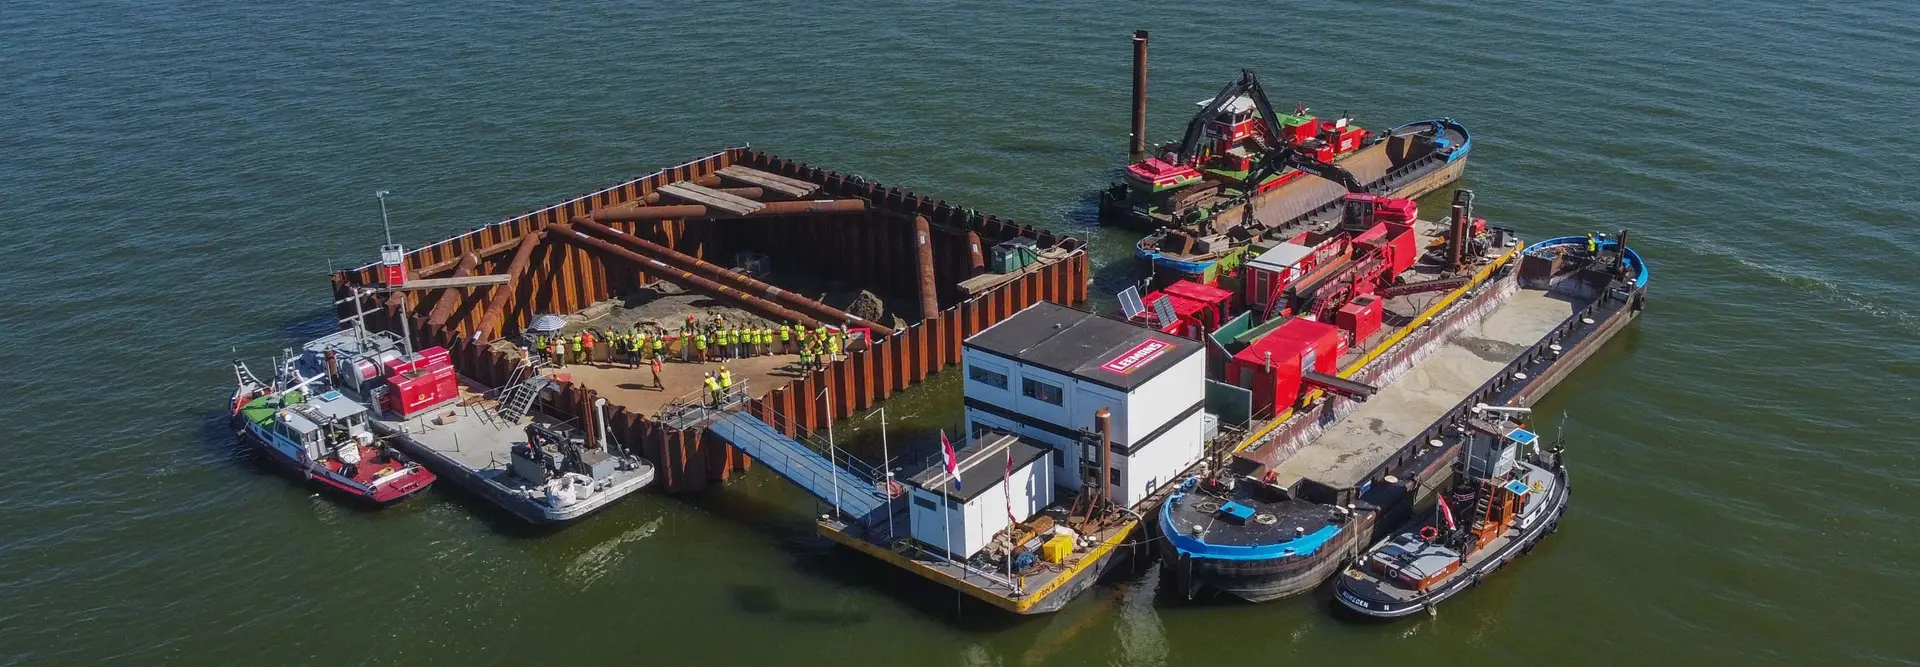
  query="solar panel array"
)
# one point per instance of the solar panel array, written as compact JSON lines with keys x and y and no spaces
{"x":1130,"y":302}
{"x":1163,"y":310}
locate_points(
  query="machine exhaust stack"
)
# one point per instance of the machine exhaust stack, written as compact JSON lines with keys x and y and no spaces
{"x":1137,"y":149}
{"x":1462,"y":226}
{"x":1103,"y":423}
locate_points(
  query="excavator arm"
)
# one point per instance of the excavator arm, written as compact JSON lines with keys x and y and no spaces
{"x":1280,"y":158}
{"x":1248,"y":85}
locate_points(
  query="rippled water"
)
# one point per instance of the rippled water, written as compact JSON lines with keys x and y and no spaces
{"x":178,"y":179}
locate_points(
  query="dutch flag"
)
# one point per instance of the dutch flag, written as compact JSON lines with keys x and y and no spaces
{"x":946,"y":456}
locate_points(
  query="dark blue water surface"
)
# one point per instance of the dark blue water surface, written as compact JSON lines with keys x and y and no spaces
{"x":177,"y":178}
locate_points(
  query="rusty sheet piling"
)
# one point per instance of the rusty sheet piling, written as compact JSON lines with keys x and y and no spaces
{"x":877,"y":249}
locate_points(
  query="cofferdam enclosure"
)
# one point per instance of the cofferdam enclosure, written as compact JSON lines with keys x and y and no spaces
{"x":738,"y":234}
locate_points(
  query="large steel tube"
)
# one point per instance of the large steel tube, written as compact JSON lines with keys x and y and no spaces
{"x":745,"y":284}
{"x":923,"y":253}
{"x":503,"y":294}
{"x":1137,"y":148}
{"x":449,"y":299}
{"x":655,"y":265}
{"x":683,"y":211}
{"x":976,"y":262}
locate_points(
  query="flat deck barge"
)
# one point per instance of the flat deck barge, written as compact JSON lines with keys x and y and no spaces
{"x":529,"y":463}
{"x":1334,"y":478}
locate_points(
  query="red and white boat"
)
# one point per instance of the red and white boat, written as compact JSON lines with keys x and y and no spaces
{"x":310,"y":419}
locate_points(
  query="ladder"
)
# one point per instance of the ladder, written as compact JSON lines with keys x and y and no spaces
{"x":1483,"y":505}
{"x":520,"y":397}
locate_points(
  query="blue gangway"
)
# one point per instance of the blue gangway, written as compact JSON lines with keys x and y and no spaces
{"x":858,"y":497}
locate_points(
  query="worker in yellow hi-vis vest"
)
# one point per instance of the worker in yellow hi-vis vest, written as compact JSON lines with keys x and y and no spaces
{"x":713,"y":388}
{"x":786,"y":338}
{"x":700,"y":346}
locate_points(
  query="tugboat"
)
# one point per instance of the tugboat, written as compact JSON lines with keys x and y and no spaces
{"x":1507,"y":502}
{"x":302,"y":421}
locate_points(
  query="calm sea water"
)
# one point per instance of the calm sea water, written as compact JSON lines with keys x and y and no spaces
{"x":176,"y":179}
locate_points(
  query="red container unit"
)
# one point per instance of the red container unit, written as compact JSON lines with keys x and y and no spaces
{"x":421,"y":382}
{"x":1359,"y":319}
{"x":1271,"y":366}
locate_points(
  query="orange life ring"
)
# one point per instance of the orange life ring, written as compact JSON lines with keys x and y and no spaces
{"x":1428,"y":533}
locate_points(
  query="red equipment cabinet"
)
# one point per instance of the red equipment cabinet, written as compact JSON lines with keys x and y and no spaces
{"x":421,"y":382}
{"x":1360,"y":318}
{"x":1198,"y":309}
{"x":1271,"y":366}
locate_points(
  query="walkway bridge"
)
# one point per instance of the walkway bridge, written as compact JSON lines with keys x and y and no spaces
{"x":844,"y":482}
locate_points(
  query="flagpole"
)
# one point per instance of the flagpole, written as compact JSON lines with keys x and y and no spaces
{"x":832,"y":459}
{"x":946,"y":502}
{"x":886,"y":467}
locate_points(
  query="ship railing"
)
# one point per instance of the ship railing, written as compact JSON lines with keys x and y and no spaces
{"x":812,"y":439}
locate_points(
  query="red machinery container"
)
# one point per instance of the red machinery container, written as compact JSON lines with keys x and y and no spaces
{"x":1198,"y":309}
{"x":1401,"y":251}
{"x":421,"y":382}
{"x":1271,"y":366}
{"x":1360,"y":318}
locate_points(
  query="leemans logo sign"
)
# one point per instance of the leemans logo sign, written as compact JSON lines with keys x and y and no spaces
{"x":1137,"y":357}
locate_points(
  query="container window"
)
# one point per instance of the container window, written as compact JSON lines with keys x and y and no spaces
{"x":1040,"y":391}
{"x":924,"y":503}
{"x":1059,"y":459}
{"x":987,"y":377}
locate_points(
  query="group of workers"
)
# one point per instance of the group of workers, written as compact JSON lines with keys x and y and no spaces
{"x":698,"y":342}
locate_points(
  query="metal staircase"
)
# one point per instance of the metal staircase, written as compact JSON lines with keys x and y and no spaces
{"x":520,"y":397}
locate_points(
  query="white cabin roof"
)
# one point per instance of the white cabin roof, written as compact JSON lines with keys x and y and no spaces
{"x":1281,"y":257}
{"x":1239,"y":104}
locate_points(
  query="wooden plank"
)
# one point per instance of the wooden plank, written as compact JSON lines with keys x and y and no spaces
{"x":791,"y":187}
{"x":712,"y":199}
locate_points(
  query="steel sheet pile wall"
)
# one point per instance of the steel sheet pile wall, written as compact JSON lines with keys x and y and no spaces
{"x":872,"y":248}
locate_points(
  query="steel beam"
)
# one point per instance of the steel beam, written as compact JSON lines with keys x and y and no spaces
{"x":687,"y":211}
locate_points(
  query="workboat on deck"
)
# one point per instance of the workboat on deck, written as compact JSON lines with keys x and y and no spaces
{"x":324,"y":435}
{"x":1338,"y":472}
{"x":1511,"y":495}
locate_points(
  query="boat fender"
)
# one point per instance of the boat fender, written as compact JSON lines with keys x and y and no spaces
{"x":1429,"y":533}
